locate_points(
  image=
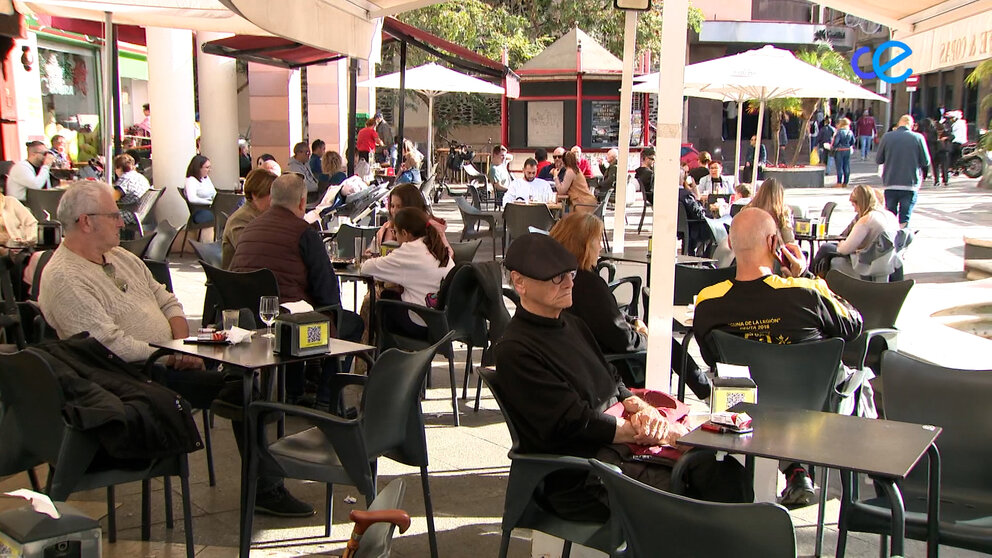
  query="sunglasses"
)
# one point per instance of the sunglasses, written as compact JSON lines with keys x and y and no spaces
{"x":111,"y":272}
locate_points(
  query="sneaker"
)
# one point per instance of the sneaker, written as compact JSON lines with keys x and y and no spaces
{"x":280,"y":503}
{"x":798,"y":490}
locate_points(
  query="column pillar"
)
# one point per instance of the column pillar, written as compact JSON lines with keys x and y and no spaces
{"x":170,"y":94}
{"x":218,"y":88}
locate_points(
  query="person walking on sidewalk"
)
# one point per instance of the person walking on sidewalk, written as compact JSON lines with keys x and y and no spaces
{"x":841,"y":146}
{"x":865,"y":127}
{"x":904,"y":154}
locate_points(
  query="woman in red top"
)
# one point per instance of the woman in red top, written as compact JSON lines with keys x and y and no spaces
{"x":367,"y":140}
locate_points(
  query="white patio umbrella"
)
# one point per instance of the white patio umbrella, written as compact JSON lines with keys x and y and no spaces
{"x":432,"y":81}
{"x":761,"y":74}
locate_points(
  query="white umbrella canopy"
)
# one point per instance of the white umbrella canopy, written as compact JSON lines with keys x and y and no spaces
{"x":761,"y":74}
{"x":432,"y":81}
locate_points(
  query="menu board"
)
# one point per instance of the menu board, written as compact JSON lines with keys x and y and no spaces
{"x":545,"y":123}
{"x":605,"y":123}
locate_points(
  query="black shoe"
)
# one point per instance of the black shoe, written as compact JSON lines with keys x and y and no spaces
{"x":798,"y":490}
{"x":280,"y":503}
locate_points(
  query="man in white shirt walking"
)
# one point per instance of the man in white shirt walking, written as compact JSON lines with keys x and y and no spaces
{"x":31,"y":172}
{"x":529,"y":188}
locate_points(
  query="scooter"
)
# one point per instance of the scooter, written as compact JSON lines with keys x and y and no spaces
{"x":971,"y":163}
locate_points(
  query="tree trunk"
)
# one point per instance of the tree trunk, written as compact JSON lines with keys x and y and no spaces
{"x":809,"y":109}
{"x":776,"y":123}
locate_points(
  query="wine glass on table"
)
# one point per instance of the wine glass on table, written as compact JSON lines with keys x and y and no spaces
{"x":268,"y":309}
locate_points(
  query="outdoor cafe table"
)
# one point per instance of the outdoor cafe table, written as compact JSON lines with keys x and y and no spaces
{"x":885,"y":450}
{"x":249,"y":357}
{"x":815,"y":240}
{"x":642,"y":256}
{"x":353,"y":273}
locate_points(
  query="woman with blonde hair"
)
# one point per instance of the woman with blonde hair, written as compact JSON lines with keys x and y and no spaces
{"x":771,"y":198}
{"x":332,"y":165}
{"x":871,"y":219}
{"x":574,"y":186}
{"x":841,"y":147}
{"x":581,"y":234}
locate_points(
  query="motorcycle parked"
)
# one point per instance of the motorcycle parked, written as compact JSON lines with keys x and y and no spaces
{"x":971,"y":163}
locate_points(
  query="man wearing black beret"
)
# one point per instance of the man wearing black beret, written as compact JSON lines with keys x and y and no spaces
{"x":556,"y":383}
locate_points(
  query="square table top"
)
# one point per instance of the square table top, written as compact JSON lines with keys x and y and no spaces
{"x":640,"y":255}
{"x":257,"y":353}
{"x":876,"y":447}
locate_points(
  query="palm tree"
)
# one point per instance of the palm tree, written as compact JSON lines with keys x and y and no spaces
{"x":984,"y":71}
{"x":822,"y":56}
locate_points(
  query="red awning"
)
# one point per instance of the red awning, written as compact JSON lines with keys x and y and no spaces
{"x":127,"y":33}
{"x":273,"y":51}
{"x":285,"y":53}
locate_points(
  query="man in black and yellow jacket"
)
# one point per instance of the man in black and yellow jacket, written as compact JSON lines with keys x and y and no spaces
{"x":760,"y":305}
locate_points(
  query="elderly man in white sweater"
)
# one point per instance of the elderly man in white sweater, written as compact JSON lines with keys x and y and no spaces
{"x":93,"y":285}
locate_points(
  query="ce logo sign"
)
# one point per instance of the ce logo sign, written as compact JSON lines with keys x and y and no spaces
{"x":901,"y":51}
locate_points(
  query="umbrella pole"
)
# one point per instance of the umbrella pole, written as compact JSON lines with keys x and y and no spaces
{"x":430,"y":134}
{"x":402,"y":102}
{"x":737,"y":159}
{"x":757,"y":147}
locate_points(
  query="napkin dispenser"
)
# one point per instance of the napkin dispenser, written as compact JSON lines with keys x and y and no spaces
{"x":303,"y":334}
{"x":731,"y":385}
{"x":25,"y":533}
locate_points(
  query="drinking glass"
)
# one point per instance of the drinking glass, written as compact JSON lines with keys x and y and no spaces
{"x":268,"y":309}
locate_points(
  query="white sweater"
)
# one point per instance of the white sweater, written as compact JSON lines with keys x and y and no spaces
{"x":200,"y":191}
{"x":77,"y":295}
{"x":867,"y":229}
{"x":411,"y":266}
{"x":23,"y":176}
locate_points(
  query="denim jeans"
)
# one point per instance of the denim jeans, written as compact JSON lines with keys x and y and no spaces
{"x":865,"y":146}
{"x":843,"y":166}
{"x":827,"y":160}
{"x":900,"y":203}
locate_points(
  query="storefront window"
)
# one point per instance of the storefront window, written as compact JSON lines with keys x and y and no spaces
{"x":70,"y":97}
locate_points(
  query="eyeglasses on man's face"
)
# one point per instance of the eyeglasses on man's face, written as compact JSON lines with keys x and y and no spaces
{"x":560,"y":278}
{"x":115,"y":215}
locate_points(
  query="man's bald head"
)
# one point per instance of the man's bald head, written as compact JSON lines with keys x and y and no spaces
{"x":749,"y":234}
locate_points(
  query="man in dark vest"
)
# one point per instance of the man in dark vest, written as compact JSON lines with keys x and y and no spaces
{"x":280,"y":240}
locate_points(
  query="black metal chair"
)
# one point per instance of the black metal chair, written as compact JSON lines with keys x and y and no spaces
{"x":465,"y":251}
{"x":472,"y":217}
{"x":797,"y":376}
{"x":525,"y":505}
{"x":160,"y":245}
{"x":956,"y":400}
{"x":336,"y":450}
{"x":41,"y":202}
{"x":518,"y":218}
{"x":651,"y":521}
{"x":33,"y":401}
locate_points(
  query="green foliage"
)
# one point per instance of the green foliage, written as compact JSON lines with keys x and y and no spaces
{"x":981,"y":72}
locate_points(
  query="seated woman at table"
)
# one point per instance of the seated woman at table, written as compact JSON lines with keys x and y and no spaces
{"x":415,"y":269}
{"x":129,"y":187}
{"x":333,"y":166}
{"x":574,"y":186}
{"x":199,"y":189}
{"x":771,"y":197}
{"x":409,"y":170}
{"x":871,"y":220}
{"x":581,"y":234}
{"x":406,"y":195}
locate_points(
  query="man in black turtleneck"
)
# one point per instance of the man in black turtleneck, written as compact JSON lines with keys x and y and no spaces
{"x":556,"y":384}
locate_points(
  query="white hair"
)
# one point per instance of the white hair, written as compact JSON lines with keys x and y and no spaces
{"x":81,"y":197}
{"x":287,"y":191}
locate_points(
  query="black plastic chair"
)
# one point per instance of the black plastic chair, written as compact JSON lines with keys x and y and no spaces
{"x":879,"y":305}
{"x":344,"y":451}
{"x":957,"y":401}
{"x":10,"y":313}
{"x":32,"y":400}
{"x":465,"y":251}
{"x":628,"y":307}
{"x":159,"y":247}
{"x":472,"y":217}
{"x":41,"y":202}
{"x":797,"y":376}
{"x":525,"y":504}
{"x":196,"y":227}
{"x":236,"y":290}
{"x":144,"y":212}
{"x":518,"y":218}
{"x":608,"y":266}
{"x":346,"y":236}
{"x":209,"y":252}
{"x":455,"y":319}
{"x":160,"y":271}
{"x":658,"y":523}
{"x":138,"y":246}
{"x":826,"y":212}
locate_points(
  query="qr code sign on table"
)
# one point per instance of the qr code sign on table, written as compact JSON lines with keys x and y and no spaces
{"x":735,"y":398}
{"x":314,"y":334}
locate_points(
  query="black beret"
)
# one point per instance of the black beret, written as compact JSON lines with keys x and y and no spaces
{"x":539,"y":256}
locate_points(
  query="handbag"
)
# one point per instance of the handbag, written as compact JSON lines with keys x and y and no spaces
{"x":670,"y":408}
